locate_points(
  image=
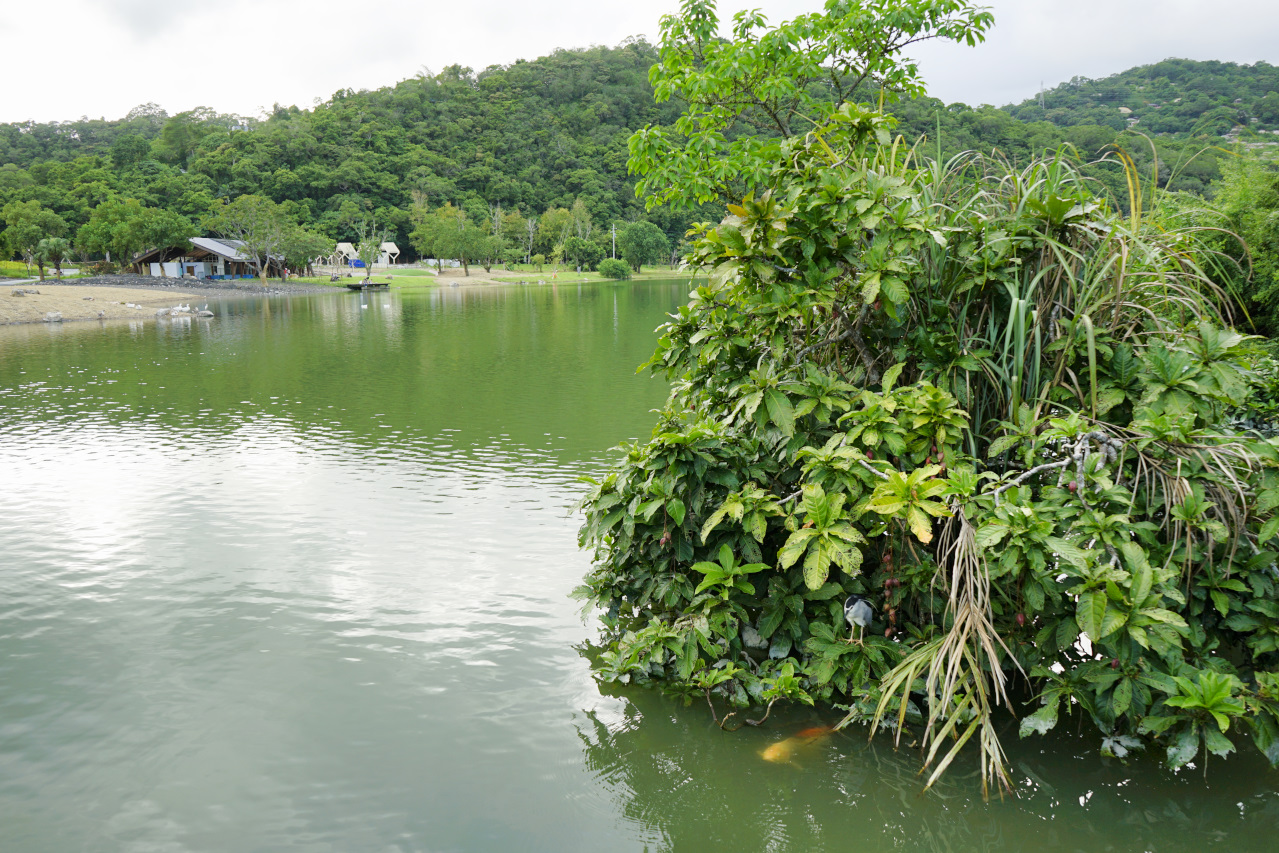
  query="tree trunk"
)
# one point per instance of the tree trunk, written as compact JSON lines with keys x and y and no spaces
{"x":466,"y":269}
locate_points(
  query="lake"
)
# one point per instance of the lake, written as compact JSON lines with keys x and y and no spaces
{"x":298,"y":577}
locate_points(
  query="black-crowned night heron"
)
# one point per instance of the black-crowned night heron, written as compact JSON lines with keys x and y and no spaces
{"x":857,"y":611}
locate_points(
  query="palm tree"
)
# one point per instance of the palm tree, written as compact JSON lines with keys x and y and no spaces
{"x":51,"y":251}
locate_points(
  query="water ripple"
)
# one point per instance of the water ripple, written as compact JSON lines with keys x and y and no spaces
{"x":298,"y":579}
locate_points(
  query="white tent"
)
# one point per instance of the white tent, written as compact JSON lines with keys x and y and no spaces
{"x":345,"y":252}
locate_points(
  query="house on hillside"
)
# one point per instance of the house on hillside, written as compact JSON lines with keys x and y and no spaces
{"x":207,"y":257}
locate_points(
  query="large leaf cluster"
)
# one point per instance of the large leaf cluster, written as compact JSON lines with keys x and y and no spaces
{"x":889,"y":353}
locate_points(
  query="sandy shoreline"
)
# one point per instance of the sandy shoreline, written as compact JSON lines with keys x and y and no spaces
{"x":76,"y":302}
{"x":110,"y":298}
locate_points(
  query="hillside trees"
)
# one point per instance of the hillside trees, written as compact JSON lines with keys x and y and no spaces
{"x":26,"y":224}
{"x":1166,"y":97}
{"x":535,"y":134}
{"x":124,"y":227}
{"x":551,"y":132}
{"x":981,"y":398}
{"x":185,"y":134}
{"x":1243,"y":219}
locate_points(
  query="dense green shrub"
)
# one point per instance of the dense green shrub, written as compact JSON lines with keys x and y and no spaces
{"x":984,"y":400}
{"x":615,"y":269}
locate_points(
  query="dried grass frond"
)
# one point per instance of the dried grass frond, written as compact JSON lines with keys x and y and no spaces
{"x":962,"y":671}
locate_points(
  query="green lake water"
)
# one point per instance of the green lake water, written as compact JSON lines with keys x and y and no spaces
{"x":296,"y":578}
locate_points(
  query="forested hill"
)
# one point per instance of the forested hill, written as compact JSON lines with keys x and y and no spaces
{"x":531,"y":135}
{"x":1176,"y":96}
{"x":551,"y":133}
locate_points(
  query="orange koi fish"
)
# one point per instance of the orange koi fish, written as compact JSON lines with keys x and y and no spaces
{"x":783,"y":752}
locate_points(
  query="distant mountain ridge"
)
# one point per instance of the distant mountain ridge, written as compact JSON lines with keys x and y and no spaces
{"x":1175,"y":96}
{"x":553,"y":131}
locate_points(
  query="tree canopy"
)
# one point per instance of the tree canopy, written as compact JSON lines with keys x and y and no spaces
{"x":27,"y":223}
{"x":549,"y":132}
{"x":774,"y":82}
{"x":642,"y":243}
{"x":259,"y":226}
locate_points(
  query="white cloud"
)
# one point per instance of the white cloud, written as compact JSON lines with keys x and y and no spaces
{"x":148,"y":18}
{"x":67,"y":58}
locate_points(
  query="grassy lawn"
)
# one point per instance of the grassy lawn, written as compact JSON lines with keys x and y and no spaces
{"x":17,"y":269}
{"x":523,"y":272}
{"x":341,"y":282}
{"x":549,"y":272}
{"x":412,"y":273}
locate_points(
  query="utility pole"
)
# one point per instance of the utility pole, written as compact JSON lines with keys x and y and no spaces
{"x":614,"y":241}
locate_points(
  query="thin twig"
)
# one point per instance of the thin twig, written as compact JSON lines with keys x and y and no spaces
{"x":871,"y":468}
{"x":761,"y":720}
{"x":1047,"y":466}
{"x":712,"y":707}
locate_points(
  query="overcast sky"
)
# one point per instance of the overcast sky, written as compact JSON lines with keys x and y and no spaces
{"x":100,"y":58}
